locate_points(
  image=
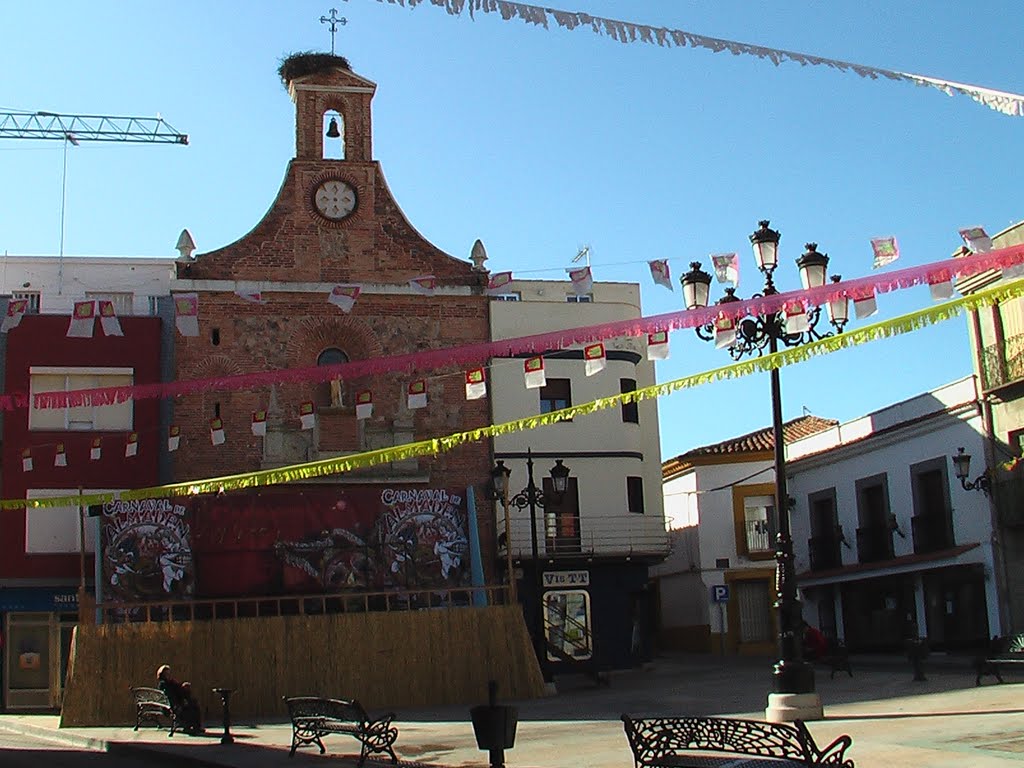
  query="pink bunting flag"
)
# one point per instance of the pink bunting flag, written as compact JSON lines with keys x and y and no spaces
{"x":582,"y":280}
{"x":476,"y":384}
{"x":594,"y":358}
{"x":16,"y":309}
{"x":364,"y":404}
{"x":252,"y":296}
{"x":186,"y":313}
{"x":865,"y":306}
{"x":886,"y":251}
{"x":796,"y":317}
{"x":660,"y":273}
{"x":499,"y":283}
{"x":83,"y":320}
{"x":97,"y":449}
{"x":423,"y":285}
{"x":173,"y":438}
{"x":725,"y":332}
{"x":727,"y":268}
{"x":533,"y":373}
{"x":259,"y":423}
{"x":131,"y":447}
{"x":26,"y":460}
{"x":60,"y":458}
{"x":307,"y":415}
{"x":417,"y":394}
{"x":344,"y":297}
{"x":977,"y":239}
{"x":217,"y":431}
{"x":657,"y":345}
{"x":108,"y":319}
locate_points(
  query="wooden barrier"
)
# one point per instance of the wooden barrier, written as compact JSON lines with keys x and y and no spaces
{"x":399,"y":659}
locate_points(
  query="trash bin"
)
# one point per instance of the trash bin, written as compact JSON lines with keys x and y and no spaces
{"x":494,"y":726}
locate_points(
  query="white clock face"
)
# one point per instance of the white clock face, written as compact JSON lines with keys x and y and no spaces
{"x":335,"y":199}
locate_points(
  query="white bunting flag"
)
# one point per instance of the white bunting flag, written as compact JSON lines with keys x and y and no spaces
{"x":307,"y":415}
{"x":26,"y":460}
{"x":424,"y":285}
{"x":941,"y":288}
{"x":16,"y":309}
{"x":364,"y":404}
{"x":499,"y":283}
{"x":108,"y":319}
{"x":250,"y":295}
{"x":977,"y":239}
{"x":97,"y":449}
{"x":727,"y":268}
{"x":582,"y":281}
{"x":594,"y":358}
{"x":131,"y":447}
{"x":796,"y":317}
{"x":725,"y":332}
{"x":865,"y":307}
{"x":476,"y":384}
{"x":173,"y":438}
{"x":886,"y":251}
{"x":344,"y":297}
{"x":533,"y":373}
{"x":259,"y":423}
{"x":417,"y":394}
{"x":60,"y":458}
{"x":660,"y":273}
{"x":83,"y":320}
{"x":217,"y":431}
{"x":186,"y":313}
{"x":657,"y":345}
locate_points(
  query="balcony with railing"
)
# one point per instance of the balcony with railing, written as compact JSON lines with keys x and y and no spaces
{"x":825,"y":550}
{"x":1002,"y":366}
{"x":625,"y":535}
{"x":874,"y":544}
{"x":760,"y":536}
{"x":932,"y":533}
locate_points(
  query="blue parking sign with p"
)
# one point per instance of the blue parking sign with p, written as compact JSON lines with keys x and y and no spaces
{"x":720,"y":593}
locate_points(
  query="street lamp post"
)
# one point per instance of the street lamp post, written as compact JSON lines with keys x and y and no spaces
{"x":532,"y":497}
{"x":794,"y":696}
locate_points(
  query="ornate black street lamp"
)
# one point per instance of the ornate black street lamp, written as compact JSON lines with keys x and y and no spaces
{"x":962,"y":468}
{"x":794,"y":695}
{"x":532,"y":497}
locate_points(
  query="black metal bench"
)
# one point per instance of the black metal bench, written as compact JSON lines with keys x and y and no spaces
{"x":314,"y":717}
{"x":153,"y":705}
{"x":1002,"y":652}
{"x":677,"y":742}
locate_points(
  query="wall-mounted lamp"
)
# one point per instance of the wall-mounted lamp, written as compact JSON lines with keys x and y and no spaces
{"x":962,"y":468}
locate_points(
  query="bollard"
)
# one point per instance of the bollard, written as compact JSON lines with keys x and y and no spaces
{"x":225,"y":698}
{"x":494,"y":726}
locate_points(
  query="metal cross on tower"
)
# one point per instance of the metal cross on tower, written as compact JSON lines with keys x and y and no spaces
{"x":334,"y":20}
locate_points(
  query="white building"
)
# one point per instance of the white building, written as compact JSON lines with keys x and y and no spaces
{"x":727,"y":491}
{"x":595,"y":546}
{"x":888,"y":545}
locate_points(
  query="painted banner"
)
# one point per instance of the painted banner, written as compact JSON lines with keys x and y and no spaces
{"x":147,"y":551}
{"x":313,"y":540}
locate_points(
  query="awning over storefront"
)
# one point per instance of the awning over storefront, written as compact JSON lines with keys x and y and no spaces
{"x":894,"y":566}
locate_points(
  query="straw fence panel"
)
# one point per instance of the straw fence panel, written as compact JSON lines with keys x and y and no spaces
{"x":386,"y":660}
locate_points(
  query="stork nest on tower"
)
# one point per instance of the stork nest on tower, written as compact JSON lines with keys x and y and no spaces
{"x":304,"y":63}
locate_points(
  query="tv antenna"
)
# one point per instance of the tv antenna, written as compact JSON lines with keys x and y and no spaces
{"x":583,"y":253}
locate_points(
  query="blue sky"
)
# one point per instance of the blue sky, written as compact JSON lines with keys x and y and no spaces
{"x":538,"y":141}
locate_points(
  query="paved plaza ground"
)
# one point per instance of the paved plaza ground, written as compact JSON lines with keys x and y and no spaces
{"x":894,"y":721}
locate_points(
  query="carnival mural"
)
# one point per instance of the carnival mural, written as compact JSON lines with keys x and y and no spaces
{"x":317,"y":540}
{"x":147,"y":551}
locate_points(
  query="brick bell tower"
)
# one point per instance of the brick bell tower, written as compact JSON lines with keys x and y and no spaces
{"x":335,"y":89}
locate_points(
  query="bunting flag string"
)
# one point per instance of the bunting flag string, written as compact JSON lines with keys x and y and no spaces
{"x":431,"y":447}
{"x":857,"y":289}
{"x":631,"y":32}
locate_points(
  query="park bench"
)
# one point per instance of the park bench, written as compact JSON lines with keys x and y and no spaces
{"x":313,"y":718}
{"x":1002,"y":652}
{"x":152,"y":704}
{"x":693,"y":742}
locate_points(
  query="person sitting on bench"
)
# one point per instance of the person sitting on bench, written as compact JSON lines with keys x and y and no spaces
{"x":186,"y":709}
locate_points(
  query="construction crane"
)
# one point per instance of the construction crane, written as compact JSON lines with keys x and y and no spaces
{"x":77,"y":128}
